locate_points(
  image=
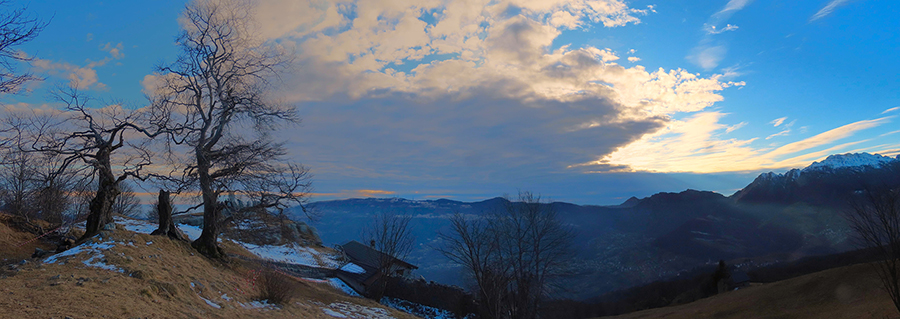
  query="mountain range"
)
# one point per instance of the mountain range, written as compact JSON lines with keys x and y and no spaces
{"x":776,"y":218}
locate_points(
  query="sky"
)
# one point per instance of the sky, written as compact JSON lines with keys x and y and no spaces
{"x":585,"y":101}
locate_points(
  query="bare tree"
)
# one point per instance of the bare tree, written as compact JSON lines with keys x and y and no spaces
{"x":513,"y":255}
{"x":214,"y":103}
{"x":127,"y":203}
{"x":874,"y":215}
{"x":19,"y":184}
{"x":16,"y":28}
{"x":31,"y":183}
{"x":390,"y":234}
{"x":92,"y":136}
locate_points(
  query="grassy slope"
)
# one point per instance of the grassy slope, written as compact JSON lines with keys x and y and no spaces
{"x":845,"y":292}
{"x":14,"y":244}
{"x":161,"y":278}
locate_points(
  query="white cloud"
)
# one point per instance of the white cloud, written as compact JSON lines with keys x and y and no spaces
{"x":735,"y":127}
{"x":891,"y":110}
{"x":706,"y":54}
{"x":827,"y":9}
{"x":83,"y":77}
{"x":782,"y":133}
{"x":493,"y":83}
{"x":711,"y":29}
{"x":114,"y":50}
{"x":693,"y":145}
{"x":633,"y":59}
{"x":778,"y":121}
{"x":733,"y":6}
{"x":708,"y":57}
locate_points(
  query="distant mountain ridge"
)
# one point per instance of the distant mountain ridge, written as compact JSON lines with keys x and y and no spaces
{"x":828,"y":181}
{"x":775,"y":217}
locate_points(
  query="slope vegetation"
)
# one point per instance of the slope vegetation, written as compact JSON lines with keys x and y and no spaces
{"x":845,"y":292}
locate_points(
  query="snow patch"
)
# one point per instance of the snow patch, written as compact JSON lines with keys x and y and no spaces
{"x":342,"y":286}
{"x":417,"y":309}
{"x":351,"y":310}
{"x":94,"y":252}
{"x":256,"y":304}
{"x":210,"y":303}
{"x":333,"y":313}
{"x":353,"y":268}
{"x":293,"y":254}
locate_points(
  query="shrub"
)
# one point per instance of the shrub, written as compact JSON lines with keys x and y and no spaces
{"x":276,"y":287}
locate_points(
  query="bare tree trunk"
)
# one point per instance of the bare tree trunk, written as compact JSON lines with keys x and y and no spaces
{"x":207,"y":243}
{"x":100,"y":209}
{"x":166,"y":224}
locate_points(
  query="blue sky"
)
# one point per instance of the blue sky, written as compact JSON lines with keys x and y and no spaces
{"x":588,"y":101}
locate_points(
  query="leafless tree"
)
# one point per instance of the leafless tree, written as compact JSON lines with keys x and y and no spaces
{"x":390,"y":234}
{"x":19,"y":185}
{"x":513,"y":255}
{"x":213,"y":100}
{"x":16,"y":28}
{"x":93,"y":136}
{"x":127,"y":203}
{"x":32,"y":184}
{"x":874,"y":215}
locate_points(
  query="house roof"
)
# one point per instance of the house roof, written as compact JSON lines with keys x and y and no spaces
{"x":368,"y":257}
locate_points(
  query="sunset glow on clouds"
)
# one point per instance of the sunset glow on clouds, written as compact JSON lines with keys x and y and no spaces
{"x":483,"y":97}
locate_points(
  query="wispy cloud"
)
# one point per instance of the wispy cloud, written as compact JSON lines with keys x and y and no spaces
{"x":711,"y":29}
{"x":828,"y":136}
{"x":782,"y":133}
{"x":828,"y":9}
{"x":633,"y":59}
{"x":890,"y":110}
{"x":708,"y":57}
{"x":694,"y":145}
{"x":707,"y":54}
{"x":730,"y":8}
{"x":778,"y":121}
{"x":735,"y":127}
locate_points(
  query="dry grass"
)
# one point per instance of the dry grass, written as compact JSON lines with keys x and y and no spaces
{"x":276,"y":288}
{"x":10,"y":239}
{"x":846,"y":292}
{"x":160,"y":278}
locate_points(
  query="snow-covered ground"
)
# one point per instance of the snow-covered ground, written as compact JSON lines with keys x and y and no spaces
{"x":342,"y":286}
{"x":94,"y":251}
{"x":353,"y":268}
{"x":417,"y":309}
{"x":294,"y":254}
{"x":354,"y":311}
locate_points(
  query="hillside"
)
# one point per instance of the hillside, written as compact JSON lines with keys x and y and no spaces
{"x":128,"y":274}
{"x":845,"y":292}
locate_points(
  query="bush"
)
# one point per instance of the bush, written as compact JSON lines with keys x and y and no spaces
{"x":276,"y":287}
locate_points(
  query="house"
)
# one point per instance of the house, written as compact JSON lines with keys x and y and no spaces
{"x":362,"y":272}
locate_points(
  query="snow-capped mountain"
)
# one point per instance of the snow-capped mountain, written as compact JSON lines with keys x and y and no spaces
{"x":852,"y":160}
{"x":826,"y":181}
